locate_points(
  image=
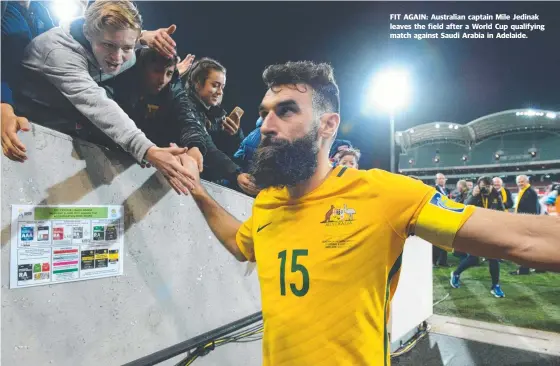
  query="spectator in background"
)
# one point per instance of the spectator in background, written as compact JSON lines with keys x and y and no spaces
{"x":244,"y":155}
{"x":440,"y":184}
{"x":152,"y":94}
{"x":337,"y":148}
{"x":498,"y":184}
{"x":462,"y":191}
{"x":527,"y":203}
{"x":349,"y":158}
{"x":439,"y":256}
{"x":62,"y":69}
{"x":470,"y":185}
{"x":21,"y":22}
{"x":205,"y":83}
{"x":551,"y":200}
{"x":483,"y":195}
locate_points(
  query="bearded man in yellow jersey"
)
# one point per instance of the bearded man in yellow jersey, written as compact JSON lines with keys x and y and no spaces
{"x":328,"y":241}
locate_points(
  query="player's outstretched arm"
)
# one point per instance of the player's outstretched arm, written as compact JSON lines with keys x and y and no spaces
{"x":530,"y":240}
{"x":221,"y":222}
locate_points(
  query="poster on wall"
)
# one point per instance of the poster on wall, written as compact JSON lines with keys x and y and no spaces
{"x":64,"y":243}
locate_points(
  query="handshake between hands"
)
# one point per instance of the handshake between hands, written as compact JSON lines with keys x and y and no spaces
{"x":182,"y":167}
{"x":179,"y":165}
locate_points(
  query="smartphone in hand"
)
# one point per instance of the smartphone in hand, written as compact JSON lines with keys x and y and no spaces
{"x":236,"y":114}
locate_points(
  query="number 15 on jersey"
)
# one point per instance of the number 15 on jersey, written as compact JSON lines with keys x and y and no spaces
{"x":295,"y":267}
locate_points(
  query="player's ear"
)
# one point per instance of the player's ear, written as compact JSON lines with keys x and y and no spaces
{"x":329,"y":125}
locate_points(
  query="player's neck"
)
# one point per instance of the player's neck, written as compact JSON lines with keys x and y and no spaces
{"x":324,"y":168}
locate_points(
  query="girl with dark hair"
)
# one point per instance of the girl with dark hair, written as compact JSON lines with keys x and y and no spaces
{"x":205,"y":82}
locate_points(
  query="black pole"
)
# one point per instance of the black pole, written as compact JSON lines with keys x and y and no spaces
{"x":195,"y":342}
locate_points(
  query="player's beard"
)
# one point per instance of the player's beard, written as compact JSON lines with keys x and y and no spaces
{"x":279,"y":163}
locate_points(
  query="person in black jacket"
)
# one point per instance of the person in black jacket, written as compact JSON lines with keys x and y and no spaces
{"x":205,"y":83}
{"x":151,"y":94}
{"x":483,"y":195}
{"x":527,"y":203}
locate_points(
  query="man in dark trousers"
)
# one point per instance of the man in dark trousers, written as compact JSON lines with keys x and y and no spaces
{"x":483,"y":195}
{"x":439,"y":256}
{"x":527,"y":203}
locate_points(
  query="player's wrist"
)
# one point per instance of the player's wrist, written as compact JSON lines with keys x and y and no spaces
{"x":199,"y":193}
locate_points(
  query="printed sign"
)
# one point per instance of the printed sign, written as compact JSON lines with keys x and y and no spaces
{"x":55,"y":244}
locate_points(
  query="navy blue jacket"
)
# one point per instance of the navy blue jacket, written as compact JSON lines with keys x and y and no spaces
{"x":19,"y":27}
{"x":244,"y":155}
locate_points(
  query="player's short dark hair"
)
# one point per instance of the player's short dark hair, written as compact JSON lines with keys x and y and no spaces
{"x":319,"y":76}
{"x":149,"y":56}
{"x":200,"y":70}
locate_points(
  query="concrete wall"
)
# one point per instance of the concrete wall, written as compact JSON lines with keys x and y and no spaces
{"x":178,"y":281}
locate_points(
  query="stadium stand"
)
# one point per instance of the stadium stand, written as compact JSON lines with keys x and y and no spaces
{"x":506,"y":144}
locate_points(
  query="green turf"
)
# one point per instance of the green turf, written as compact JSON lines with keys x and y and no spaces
{"x":531,"y":301}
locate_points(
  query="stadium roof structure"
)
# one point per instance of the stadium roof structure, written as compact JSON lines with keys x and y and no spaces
{"x":510,"y":121}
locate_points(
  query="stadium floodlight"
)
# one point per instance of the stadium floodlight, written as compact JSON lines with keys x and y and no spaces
{"x":65,"y":10}
{"x":551,"y":115}
{"x":531,"y":113}
{"x":389,"y":91}
{"x":437,"y":125}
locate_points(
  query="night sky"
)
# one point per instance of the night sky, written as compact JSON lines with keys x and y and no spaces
{"x":453,"y":80}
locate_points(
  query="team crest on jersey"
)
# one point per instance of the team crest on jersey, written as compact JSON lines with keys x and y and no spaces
{"x":338,"y":216}
{"x":441,"y":201}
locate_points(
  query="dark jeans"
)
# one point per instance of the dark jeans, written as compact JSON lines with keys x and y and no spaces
{"x":471,"y":261}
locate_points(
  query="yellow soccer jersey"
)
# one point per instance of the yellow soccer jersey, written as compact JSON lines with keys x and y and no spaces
{"x":328,"y":262}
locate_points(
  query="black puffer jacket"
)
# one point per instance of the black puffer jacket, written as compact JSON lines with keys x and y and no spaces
{"x":217,"y":163}
{"x":174,"y":115}
{"x":165,"y":117}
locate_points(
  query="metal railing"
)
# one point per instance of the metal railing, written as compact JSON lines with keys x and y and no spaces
{"x":197,"y":343}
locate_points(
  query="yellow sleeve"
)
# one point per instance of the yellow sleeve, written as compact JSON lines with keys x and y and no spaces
{"x":244,"y":239}
{"x":400,"y":198}
{"x":413,"y":207}
{"x":439,"y":220}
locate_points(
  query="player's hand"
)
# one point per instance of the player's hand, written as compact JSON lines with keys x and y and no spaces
{"x":246,"y":183}
{"x":12,"y":146}
{"x":195,"y":153}
{"x":166,"y":161}
{"x":191,"y":165}
{"x":185,"y":65}
{"x":161,"y":40}
{"x":476,"y":191}
{"x":230,"y":126}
